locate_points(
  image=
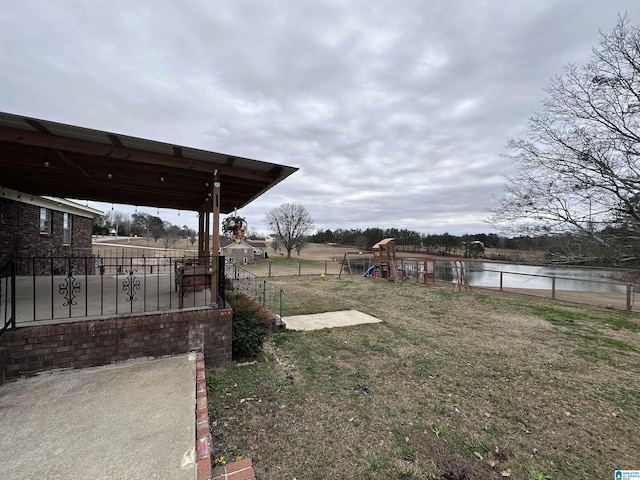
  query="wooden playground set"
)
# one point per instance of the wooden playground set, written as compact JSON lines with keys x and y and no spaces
{"x":386,"y":265}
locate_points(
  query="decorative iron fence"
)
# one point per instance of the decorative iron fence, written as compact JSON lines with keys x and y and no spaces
{"x":51,"y":263}
{"x":69,"y":287}
{"x":268,"y":295}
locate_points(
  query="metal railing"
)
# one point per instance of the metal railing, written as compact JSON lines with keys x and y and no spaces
{"x":67,"y":287}
{"x":267,"y":295}
{"x":8,"y":296}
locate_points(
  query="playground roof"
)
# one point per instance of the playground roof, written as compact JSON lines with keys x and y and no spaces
{"x":386,"y":241}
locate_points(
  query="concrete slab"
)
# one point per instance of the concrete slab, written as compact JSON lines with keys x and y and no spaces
{"x":133,"y":420}
{"x":318,"y":321}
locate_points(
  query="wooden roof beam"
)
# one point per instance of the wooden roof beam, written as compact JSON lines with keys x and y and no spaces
{"x":38,"y":126}
{"x":115,"y":141}
{"x":24,"y":137}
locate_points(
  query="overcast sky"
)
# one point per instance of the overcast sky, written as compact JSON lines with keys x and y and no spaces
{"x":396,"y":112}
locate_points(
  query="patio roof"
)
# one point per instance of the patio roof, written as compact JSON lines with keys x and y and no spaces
{"x":41,"y":157}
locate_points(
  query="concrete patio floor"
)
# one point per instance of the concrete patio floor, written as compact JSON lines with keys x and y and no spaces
{"x":133,"y":420}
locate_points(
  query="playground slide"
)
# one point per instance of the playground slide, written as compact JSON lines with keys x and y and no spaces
{"x":371,"y":271}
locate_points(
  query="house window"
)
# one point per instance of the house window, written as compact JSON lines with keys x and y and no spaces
{"x":66,"y":229}
{"x":45,"y":221}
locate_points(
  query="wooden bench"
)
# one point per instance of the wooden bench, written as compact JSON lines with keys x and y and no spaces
{"x":192,"y":278}
{"x":179,"y":268}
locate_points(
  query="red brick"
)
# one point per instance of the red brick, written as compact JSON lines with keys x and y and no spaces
{"x":203,"y":471}
{"x":201,"y":388}
{"x":202,"y":430}
{"x":202,"y":416}
{"x":202,"y":448}
{"x":248,"y":474}
{"x":242,"y":464}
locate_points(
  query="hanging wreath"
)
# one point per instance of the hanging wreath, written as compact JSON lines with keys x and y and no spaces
{"x":235,"y":226}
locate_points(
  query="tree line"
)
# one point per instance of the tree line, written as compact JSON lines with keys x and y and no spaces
{"x":411,"y":240}
{"x":143,"y":225}
{"x":559,"y":249}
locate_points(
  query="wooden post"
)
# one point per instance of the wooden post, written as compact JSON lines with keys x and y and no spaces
{"x":216,"y":218}
{"x":207,"y":236}
{"x":216,"y":238}
{"x":201,"y":232}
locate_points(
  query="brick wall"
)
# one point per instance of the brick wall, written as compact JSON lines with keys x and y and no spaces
{"x":90,"y":343}
{"x":20,"y":231}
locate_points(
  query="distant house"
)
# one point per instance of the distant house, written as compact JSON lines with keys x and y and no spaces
{"x":32,"y":225}
{"x":246,"y":251}
{"x":237,"y":252}
{"x":259,"y":248}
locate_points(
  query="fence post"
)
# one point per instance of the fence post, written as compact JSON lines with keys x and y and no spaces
{"x":325,"y":267}
{"x":629,"y":288}
{"x":553,"y":288}
{"x":269,"y":268}
{"x":501,"y":280}
{"x":264,"y":294}
{"x":299,"y":268}
{"x":280,"y":313}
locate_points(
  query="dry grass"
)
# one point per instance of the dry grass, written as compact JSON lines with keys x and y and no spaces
{"x":448,"y":386}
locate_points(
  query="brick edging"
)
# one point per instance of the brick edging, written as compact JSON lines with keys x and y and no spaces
{"x":241,"y":470}
{"x":203,"y":450}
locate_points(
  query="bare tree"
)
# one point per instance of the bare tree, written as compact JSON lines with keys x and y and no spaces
{"x":171,"y":235}
{"x":289,"y":223}
{"x":579,"y":170}
{"x":275,"y":244}
{"x":190,"y":234}
{"x":300,"y":245}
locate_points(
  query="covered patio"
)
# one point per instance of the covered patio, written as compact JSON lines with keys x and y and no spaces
{"x":40,"y":157}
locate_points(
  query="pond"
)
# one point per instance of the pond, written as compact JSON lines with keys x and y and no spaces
{"x":487,"y":274}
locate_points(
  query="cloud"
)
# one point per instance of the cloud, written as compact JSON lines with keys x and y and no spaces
{"x":396,"y":112}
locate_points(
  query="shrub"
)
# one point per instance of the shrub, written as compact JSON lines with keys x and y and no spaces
{"x":250,"y":325}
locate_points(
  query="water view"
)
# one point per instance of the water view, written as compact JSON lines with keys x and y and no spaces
{"x":487,"y":274}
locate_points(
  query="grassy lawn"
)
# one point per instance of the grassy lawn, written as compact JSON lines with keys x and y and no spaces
{"x":449,"y":386}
